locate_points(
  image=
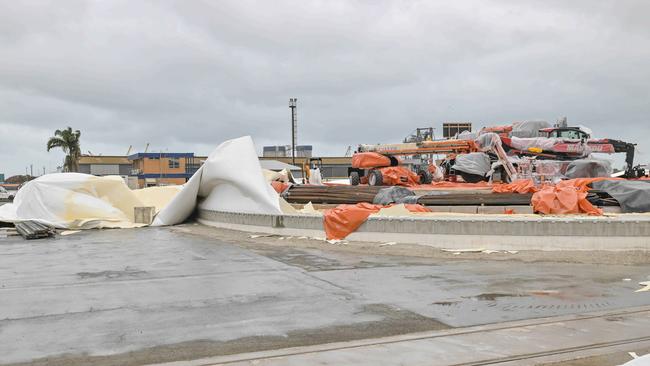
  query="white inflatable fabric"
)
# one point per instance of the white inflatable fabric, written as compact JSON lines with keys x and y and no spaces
{"x":231,"y":179}
{"x":75,"y":200}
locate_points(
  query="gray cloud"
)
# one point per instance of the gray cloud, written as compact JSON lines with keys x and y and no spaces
{"x":186,"y":75}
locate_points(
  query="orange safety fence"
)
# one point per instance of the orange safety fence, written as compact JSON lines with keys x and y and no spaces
{"x":369,"y":160}
{"x":342,"y":220}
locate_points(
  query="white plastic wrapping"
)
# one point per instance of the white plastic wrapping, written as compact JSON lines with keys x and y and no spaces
{"x":474,"y":163}
{"x":466,"y":135}
{"x":231,"y":179}
{"x":488,"y":141}
{"x":75,"y":200}
{"x":543,"y":143}
{"x":528,"y":129}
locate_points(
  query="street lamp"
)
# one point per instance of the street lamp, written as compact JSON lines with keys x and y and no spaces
{"x":294,"y":128}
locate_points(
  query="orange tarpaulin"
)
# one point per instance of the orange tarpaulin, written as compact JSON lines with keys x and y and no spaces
{"x":567,"y":197}
{"x":560,"y":200}
{"x":399,"y":176}
{"x":369,"y":160}
{"x":279,"y":186}
{"x":342,"y":220}
{"x":454,"y":185}
{"x":518,"y":186}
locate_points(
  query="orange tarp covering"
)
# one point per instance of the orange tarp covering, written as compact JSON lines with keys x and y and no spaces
{"x":342,"y":220}
{"x":399,"y":176}
{"x":369,"y":160}
{"x":454,"y":185}
{"x":560,"y":200}
{"x":518,"y":186}
{"x":279,"y":186}
{"x":566,"y":197}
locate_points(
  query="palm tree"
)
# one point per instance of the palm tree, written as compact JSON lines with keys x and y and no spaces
{"x":68,"y":141}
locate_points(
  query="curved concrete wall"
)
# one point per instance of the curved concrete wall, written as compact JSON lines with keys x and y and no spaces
{"x":625,"y":232}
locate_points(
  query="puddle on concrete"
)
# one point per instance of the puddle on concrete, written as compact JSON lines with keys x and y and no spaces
{"x":492,"y":296}
{"x":127,"y":272}
{"x":445,"y":303}
{"x":395,"y":321}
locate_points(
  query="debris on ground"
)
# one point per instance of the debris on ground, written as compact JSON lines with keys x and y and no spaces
{"x":646,"y":287}
{"x":34,"y":230}
{"x":468,"y":250}
{"x":69,"y":232}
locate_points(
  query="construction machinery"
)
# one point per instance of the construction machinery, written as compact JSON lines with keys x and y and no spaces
{"x":570,"y":143}
{"x":420,"y":170}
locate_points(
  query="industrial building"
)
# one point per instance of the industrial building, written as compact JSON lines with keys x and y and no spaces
{"x":332,"y":167}
{"x":105,"y":165}
{"x":153,"y":169}
{"x":157,"y":169}
{"x":303,"y":151}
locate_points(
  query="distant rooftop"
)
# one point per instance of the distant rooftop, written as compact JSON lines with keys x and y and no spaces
{"x":160,"y":155}
{"x":277,"y":165}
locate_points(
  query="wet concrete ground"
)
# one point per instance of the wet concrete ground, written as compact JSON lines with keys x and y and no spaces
{"x":149,"y":295}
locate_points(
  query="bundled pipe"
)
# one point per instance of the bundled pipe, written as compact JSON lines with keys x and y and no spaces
{"x":330,"y":194}
{"x":469,"y":199}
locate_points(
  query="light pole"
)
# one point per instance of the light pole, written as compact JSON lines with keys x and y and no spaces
{"x":294,"y":128}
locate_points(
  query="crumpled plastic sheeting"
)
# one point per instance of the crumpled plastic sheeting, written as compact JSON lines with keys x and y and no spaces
{"x":473,"y":163}
{"x":566,"y":197}
{"x":528,"y":128}
{"x":589,"y":168}
{"x":466,"y":135}
{"x":343,"y":220}
{"x":563,"y":200}
{"x":83,"y":201}
{"x":395,"y":194}
{"x":487,"y":141}
{"x":632,"y":195}
{"x":543,"y":143}
{"x":231,"y":179}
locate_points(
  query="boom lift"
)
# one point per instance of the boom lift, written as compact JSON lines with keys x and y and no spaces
{"x":374,"y":175}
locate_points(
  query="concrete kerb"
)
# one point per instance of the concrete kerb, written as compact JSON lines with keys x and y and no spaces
{"x":629,"y":232}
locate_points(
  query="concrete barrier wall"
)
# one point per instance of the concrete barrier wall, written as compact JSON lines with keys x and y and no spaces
{"x":625,"y":232}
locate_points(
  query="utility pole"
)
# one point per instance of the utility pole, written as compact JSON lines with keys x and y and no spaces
{"x":294,"y":128}
{"x":31,"y":169}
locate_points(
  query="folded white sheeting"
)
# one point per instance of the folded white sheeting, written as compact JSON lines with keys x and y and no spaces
{"x":231,"y":179}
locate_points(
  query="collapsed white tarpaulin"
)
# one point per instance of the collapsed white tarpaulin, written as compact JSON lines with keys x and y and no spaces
{"x":74,"y":200}
{"x":231,"y":179}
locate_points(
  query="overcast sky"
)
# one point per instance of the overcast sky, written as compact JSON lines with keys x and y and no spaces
{"x":187,"y":75}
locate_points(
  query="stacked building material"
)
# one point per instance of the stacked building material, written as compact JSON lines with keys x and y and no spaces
{"x":330,"y":194}
{"x":357,"y":194}
{"x":465,"y":199}
{"x":34,"y":230}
